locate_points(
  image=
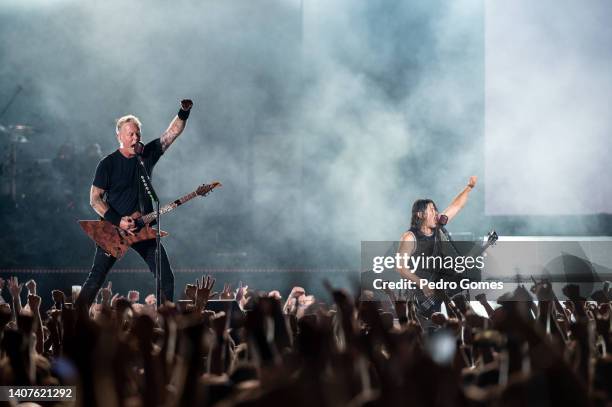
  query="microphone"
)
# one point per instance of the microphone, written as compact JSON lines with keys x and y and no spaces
{"x":442,"y":220}
{"x":138,"y":148}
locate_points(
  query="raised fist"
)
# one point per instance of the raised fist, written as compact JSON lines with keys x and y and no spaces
{"x":106,"y":293}
{"x":150,"y":300}
{"x":472,"y":181}
{"x":34,"y":301}
{"x":133,"y":296}
{"x":297,"y":292}
{"x":186,"y":104}
{"x":58,"y":296}
{"x":31,"y":286}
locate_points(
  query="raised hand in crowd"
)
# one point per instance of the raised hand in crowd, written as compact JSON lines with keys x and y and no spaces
{"x":133,"y":296}
{"x":59,"y":299}
{"x":31,"y":286}
{"x":34,"y":305}
{"x":203,"y":292}
{"x":150,"y":300}
{"x":15,"y":290}
{"x":275,"y":294}
{"x":166,"y":357}
{"x":190,"y":292}
{"x":241,"y":292}
{"x":291,"y":305}
{"x":14,"y":287}
{"x":106,"y":294}
{"x":227,"y":293}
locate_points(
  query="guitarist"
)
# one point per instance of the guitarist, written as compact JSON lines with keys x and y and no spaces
{"x":117,"y":192}
{"x":424,"y":234}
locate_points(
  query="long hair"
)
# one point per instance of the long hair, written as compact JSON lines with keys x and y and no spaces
{"x":419,"y":206}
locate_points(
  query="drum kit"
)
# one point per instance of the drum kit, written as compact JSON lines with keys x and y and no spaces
{"x":29,"y":175}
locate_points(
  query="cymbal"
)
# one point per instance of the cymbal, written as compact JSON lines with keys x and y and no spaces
{"x":16,"y":133}
{"x":18,"y":138}
{"x":21,"y":128}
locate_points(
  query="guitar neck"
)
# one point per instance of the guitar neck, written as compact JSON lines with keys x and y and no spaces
{"x":477,"y":251}
{"x":150,"y":217}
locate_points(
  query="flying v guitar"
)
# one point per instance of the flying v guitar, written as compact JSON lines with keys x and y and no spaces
{"x":117,"y":241}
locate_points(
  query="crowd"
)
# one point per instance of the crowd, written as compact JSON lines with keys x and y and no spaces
{"x":263,"y":349}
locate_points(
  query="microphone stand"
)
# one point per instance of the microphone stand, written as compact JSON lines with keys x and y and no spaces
{"x":146,"y":181}
{"x":442,"y":229}
{"x":450,"y":239}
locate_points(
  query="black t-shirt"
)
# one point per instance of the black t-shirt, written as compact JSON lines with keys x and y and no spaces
{"x":120,"y":178}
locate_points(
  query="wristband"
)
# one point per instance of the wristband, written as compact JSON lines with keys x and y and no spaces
{"x":183,"y":114}
{"x":112,"y":216}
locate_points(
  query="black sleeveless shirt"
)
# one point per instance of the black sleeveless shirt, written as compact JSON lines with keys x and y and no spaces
{"x":425,"y":246}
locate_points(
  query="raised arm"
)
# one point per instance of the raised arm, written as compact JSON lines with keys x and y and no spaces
{"x":15,"y":290}
{"x":177,"y":125}
{"x":34,"y":303}
{"x":460,"y":200}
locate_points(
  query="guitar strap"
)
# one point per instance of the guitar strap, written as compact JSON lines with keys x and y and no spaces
{"x":437,"y":251}
{"x":141,"y":191}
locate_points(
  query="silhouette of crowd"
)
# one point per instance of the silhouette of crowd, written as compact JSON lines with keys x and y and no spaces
{"x":263,"y":349}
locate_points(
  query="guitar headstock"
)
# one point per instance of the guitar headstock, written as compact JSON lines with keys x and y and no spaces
{"x":205,"y":189}
{"x":492,"y":238}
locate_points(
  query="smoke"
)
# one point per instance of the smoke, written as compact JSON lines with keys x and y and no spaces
{"x":547,"y":96}
{"x":392,"y":112}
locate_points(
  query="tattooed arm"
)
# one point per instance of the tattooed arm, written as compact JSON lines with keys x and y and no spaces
{"x":96,"y":200}
{"x":177,"y":125}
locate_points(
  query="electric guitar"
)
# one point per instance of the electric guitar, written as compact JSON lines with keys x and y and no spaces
{"x":427,"y":305}
{"x":116,"y":241}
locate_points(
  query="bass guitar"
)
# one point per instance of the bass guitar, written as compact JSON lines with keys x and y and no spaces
{"x":427,"y":305}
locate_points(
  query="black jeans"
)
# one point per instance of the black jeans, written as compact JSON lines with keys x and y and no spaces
{"x":103,"y":262}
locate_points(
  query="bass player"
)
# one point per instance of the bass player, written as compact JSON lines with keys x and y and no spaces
{"x":423,"y":237}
